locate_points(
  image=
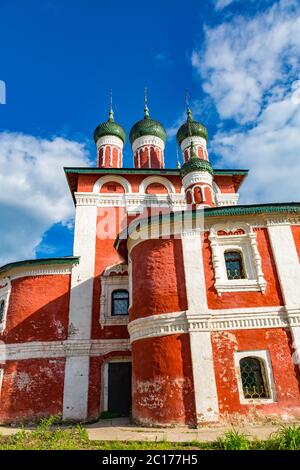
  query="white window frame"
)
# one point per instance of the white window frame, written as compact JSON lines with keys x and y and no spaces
{"x":244,"y":243}
{"x":5,"y":289}
{"x":264,"y":357}
{"x":104,"y":380}
{"x":110,"y":283}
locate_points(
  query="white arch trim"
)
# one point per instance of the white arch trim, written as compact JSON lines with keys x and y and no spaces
{"x":112,"y":178}
{"x":156,"y":179}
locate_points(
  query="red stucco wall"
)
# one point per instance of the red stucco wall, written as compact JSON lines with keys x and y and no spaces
{"x":163,"y":381}
{"x":32,"y":389}
{"x":158,"y":281}
{"x":38,"y":309}
{"x":286,"y":376}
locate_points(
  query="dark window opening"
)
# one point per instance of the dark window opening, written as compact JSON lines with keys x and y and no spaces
{"x":253,"y":378}
{"x":234,"y":265}
{"x":2,"y":306}
{"x":120,"y":302}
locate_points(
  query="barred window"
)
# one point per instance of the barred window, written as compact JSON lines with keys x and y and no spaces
{"x":120,"y":302}
{"x":2,"y":307}
{"x":253,"y":378}
{"x":234,"y":265}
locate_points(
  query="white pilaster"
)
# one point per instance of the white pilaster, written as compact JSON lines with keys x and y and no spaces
{"x":80,"y":314}
{"x":288,"y":271}
{"x":206,"y":399}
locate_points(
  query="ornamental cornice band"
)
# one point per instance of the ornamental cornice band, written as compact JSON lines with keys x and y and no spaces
{"x":184,"y":322}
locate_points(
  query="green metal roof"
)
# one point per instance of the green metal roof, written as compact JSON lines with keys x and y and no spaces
{"x":39,"y":262}
{"x":195,"y":164}
{"x":147,"y":126}
{"x":191,"y":128}
{"x":142,"y":171}
{"x":110,"y":127}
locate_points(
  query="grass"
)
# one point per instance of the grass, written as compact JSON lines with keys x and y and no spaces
{"x":49,"y":436}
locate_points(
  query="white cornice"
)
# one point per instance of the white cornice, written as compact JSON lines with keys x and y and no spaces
{"x":69,"y":348}
{"x":110,"y":140}
{"x":197,"y":177}
{"x":148,"y":140}
{"x":222,"y":320}
{"x":196,"y":140}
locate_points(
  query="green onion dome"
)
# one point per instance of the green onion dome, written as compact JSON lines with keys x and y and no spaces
{"x":195,"y":164}
{"x":147,"y":126}
{"x":191,"y":128}
{"x":110,"y":127}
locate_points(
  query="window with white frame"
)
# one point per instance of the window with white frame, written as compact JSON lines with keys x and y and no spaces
{"x":236,"y":259}
{"x":114,"y":300}
{"x":255,"y":377}
{"x":5,"y":288}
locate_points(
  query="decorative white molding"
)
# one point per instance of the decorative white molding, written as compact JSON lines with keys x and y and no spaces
{"x":110,"y":140}
{"x":198,"y":141}
{"x":108,"y":285}
{"x":264,"y":357}
{"x":158,"y":180}
{"x":148,"y":140}
{"x":133,"y":202}
{"x":210,"y":320}
{"x":246,"y":244}
{"x":197,"y":177}
{"x":5,"y":290}
{"x":108,"y":179}
{"x":57,"y":349}
{"x":227,"y":199}
{"x":49,"y":271}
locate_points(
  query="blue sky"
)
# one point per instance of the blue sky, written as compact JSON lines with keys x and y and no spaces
{"x":59,"y":59}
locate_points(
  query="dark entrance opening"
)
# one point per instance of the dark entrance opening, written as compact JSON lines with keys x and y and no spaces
{"x":119,"y":388}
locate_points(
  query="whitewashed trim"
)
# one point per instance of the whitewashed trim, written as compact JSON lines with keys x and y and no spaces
{"x":197,"y":177}
{"x":133,"y":202}
{"x":158,"y":180}
{"x":5,"y":290}
{"x":148,"y":141}
{"x":108,"y":179}
{"x":226,"y":199}
{"x":246,"y":244}
{"x":197,"y":140}
{"x":110,"y":140}
{"x":235,"y":319}
{"x":264,"y":357}
{"x":108,"y":285}
{"x":61,"y":349}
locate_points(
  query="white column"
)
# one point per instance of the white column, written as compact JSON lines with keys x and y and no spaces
{"x":288,"y":271}
{"x":206,"y":399}
{"x":80,"y":313}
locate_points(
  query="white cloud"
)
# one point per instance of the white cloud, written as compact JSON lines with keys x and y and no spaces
{"x":271,"y":150}
{"x":244,"y":59}
{"x":33,"y":190}
{"x":250,"y":68}
{"x":220,"y":4}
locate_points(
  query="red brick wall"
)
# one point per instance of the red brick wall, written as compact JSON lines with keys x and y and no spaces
{"x":296,"y":235}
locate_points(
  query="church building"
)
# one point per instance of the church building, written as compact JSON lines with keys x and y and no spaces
{"x":178,"y":306}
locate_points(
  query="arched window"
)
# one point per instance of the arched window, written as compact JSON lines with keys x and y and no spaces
{"x":253,"y":378}
{"x":2,"y":307}
{"x":234,"y":265}
{"x":119,"y":302}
